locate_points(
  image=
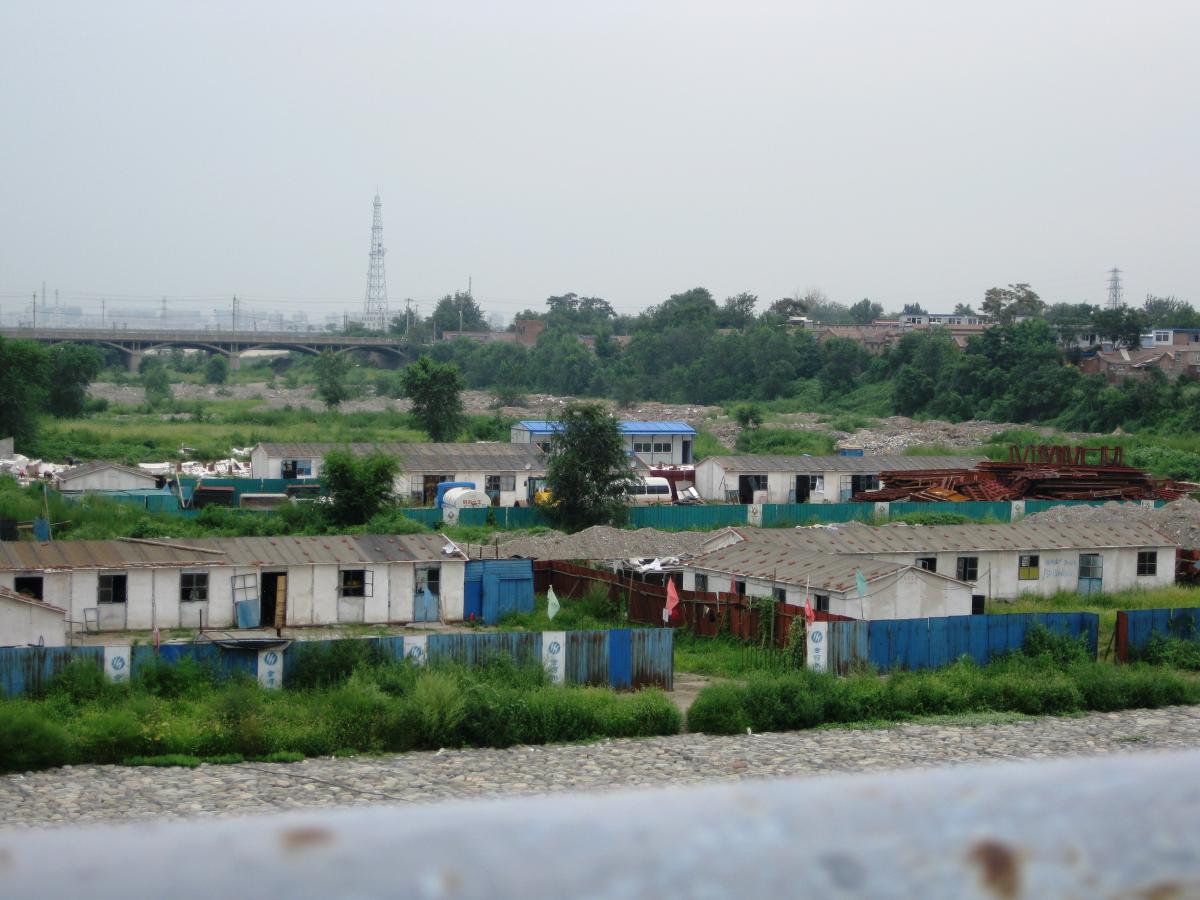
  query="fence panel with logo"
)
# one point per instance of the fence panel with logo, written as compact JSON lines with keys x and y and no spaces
{"x":623,"y":659}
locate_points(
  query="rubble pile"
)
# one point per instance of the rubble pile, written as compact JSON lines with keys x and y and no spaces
{"x":1178,"y":520}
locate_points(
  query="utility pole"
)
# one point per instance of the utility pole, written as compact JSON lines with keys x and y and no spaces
{"x":1114,"y":288}
{"x":103,"y":302}
{"x":35,"y":309}
{"x":163,"y":313}
{"x":235,"y":312}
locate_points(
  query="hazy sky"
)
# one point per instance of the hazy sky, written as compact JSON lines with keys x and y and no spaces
{"x":901,"y":151}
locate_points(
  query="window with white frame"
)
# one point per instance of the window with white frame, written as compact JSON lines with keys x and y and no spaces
{"x":245,"y":587}
{"x":660,"y":447}
{"x":355,"y":583}
{"x":643,"y":446}
{"x":816,"y":482}
{"x":1028,"y":567}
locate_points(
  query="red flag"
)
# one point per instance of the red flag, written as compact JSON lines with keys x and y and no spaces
{"x":809,"y":615}
{"x":672,"y":601}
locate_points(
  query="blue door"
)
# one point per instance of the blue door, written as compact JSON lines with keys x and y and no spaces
{"x":473,"y":601}
{"x":1091,"y":573}
{"x":425,"y":606}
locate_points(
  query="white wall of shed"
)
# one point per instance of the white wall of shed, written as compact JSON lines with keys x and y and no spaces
{"x":30,"y":623}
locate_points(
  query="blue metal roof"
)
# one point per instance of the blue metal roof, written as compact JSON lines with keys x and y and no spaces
{"x":545,"y":426}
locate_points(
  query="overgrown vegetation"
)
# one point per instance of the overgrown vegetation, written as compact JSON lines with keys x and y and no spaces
{"x":1052,"y":675}
{"x":345,"y":702}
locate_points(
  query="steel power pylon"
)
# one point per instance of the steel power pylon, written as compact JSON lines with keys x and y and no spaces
{"x":375,"y":307}
{"x":1114,"y":288}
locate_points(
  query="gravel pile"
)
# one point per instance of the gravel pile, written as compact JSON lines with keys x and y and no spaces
{"x":1179,"y":520}
{"x":603,"y":542}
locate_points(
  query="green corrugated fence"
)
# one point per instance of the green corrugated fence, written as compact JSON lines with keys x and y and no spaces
{"x":684,"y":518}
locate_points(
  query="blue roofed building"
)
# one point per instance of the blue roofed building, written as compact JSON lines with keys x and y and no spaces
{"x":652,"y":443}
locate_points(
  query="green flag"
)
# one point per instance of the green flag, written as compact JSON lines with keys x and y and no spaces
{"x":860,"y":583}
{"x":551,"y":604}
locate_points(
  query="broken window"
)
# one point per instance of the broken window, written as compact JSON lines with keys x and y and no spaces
{"x":493,"y":483}
{"x":111,"y":589}
{"x":29,"y":585}
{"x":701,"y":583}
{"x":429,"y":577}
{"x":968,"y":568}
{"x":193,"y":587}
{"x":928,"y":563}
{"x":355,"y":583}
{"x":245,"y":587}
{"x":1028,"y":567}
{"x":780,"y":594}
{"x":822,"y":603}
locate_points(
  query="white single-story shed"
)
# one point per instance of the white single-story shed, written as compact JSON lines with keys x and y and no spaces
{"x":650,"y":443}
{"x":766,"y":563}
{"x":502,"y":471}
{"x":764,"y":478}
{"x":1006,"y":561}
{"x":25,"y":620}
{"x":135,"y":584}
{"x":106,"y":476}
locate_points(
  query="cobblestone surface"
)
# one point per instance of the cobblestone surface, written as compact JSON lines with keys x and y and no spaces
{"x":93,"y":793}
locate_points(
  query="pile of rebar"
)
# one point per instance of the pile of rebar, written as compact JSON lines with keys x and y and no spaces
{"x":1032,"y":473}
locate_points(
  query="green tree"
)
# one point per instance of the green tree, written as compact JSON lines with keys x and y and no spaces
{"x":155,"y":381}
{"x":435,"y":390}
{"x":458,"y":312}
{"x":1170,"y":312}
{"x":1006,"y":305}
{"x":749,"y":415}
{"x":72,"y":367}
{"x":1123,"y":326}
{"x":216,"y":370}
{"x":737,"y":311}
{"x":864,"y":312}
{"x":23,"y":375}
{"x":333,"y":378}
{"x":589,"y":474}
{"x":963,"y":309}
{"x":359,"y":486}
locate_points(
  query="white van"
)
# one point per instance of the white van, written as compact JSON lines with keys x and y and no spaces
{"x":649,"y":491}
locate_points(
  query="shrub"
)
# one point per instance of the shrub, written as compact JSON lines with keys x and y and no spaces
{"x":648,"y":712}
{"x":320,"y":664}
{"x":441,"y":708}
{"x":719,"y":709}
{"x":28,"y":741}
{"x":280,"y":756}
{"x":109,"y":735}
{"x":1174,"y":652}
{"x":173,"y":680}
{"x":163,"y":761}
{"x":1061,"y":649}
{"x":555,"y":714}
{"x":358,"y":714}
{"x":786,"y":702}
{"x":80,"y":680}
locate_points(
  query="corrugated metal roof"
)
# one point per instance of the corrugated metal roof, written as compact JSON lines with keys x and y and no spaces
{"x":1021,"y":536}
{"x":247,"y":551}
{"x":856,"y":464}
{"x":100,"y":465}
{"x":488,"y":457}
{"x":775,"y":561}
{"x":547,"y":426}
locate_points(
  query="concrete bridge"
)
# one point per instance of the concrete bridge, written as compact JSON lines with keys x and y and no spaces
{"x":230,"y":344}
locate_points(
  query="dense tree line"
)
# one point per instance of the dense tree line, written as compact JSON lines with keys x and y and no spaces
{"x":692,"y":349}
{"x":37,"y":380}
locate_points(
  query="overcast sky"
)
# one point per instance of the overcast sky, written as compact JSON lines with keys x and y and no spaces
{"x":918,"y":151}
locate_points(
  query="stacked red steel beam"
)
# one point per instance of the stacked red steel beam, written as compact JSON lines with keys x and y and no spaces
{"x":1032,"y":473}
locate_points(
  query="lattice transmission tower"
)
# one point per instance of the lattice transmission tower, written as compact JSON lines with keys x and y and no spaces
{"x":375,"y":306}
{"x":1114,"y":288}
